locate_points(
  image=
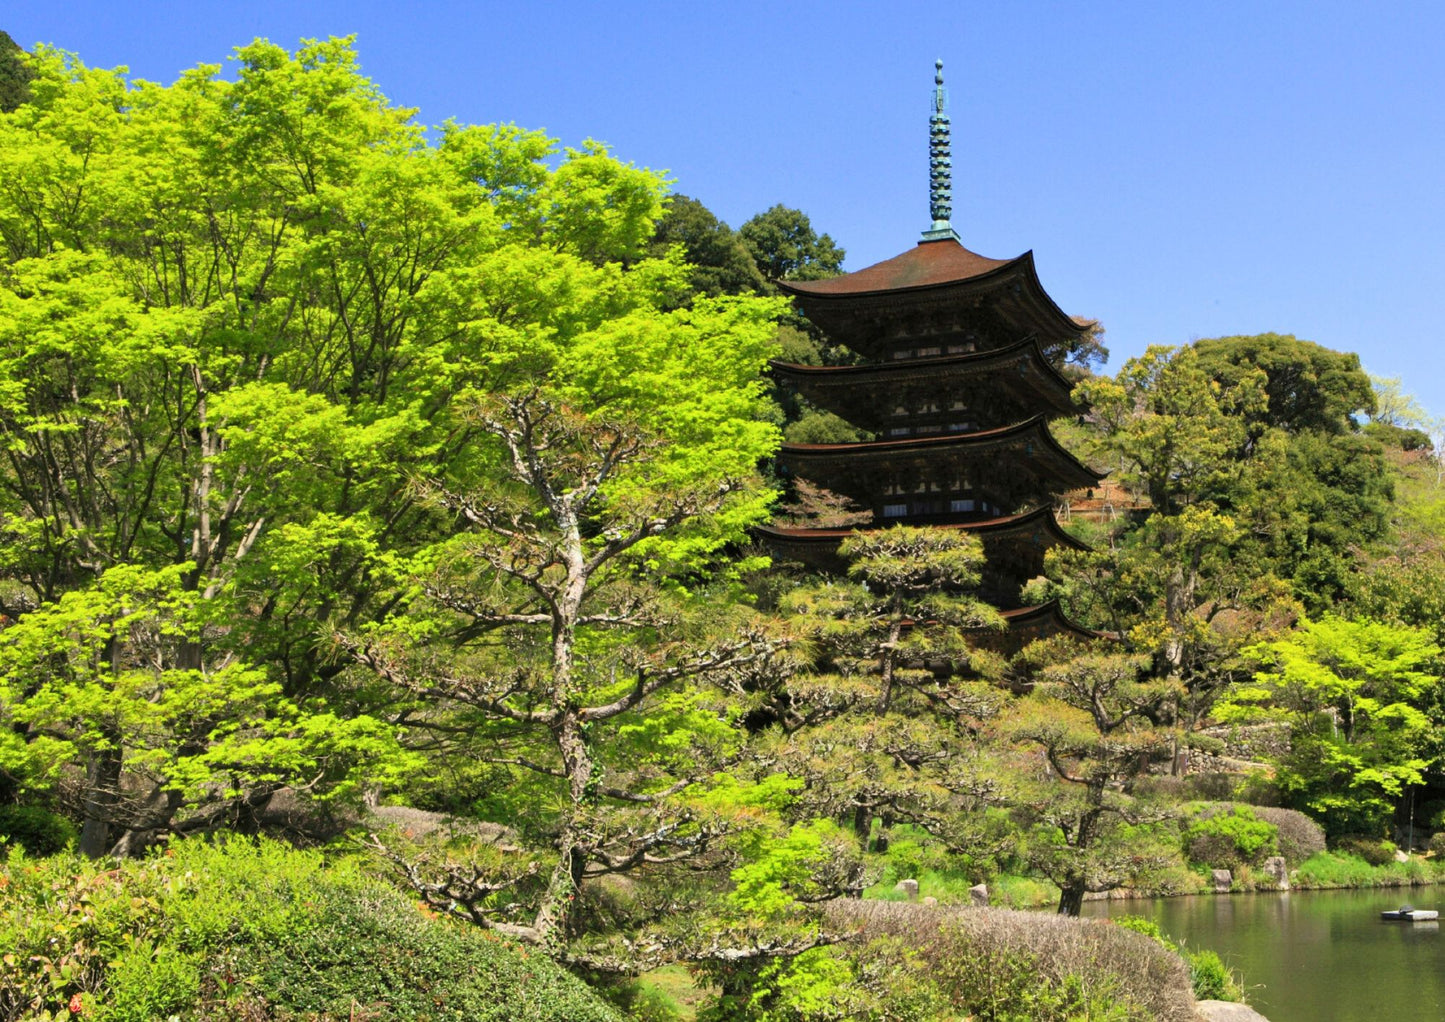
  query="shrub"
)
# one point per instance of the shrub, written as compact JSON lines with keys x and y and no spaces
{"x":256,"y":931}
{"x":1437,"y":843}
{"x":1375,"y":851}
{"x":1230,"y":836}
{"x":38,"y":831}
{"x":1299,"y":836}
{"x":997,"y":964}
{"x":1211,"y":979}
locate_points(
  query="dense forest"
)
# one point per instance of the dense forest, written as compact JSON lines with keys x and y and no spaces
{"x":378,"y":580}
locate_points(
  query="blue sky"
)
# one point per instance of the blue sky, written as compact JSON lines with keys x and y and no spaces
{"x":1180,"y":170}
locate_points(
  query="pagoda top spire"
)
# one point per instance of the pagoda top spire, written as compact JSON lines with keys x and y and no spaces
{"x":940,"y":164}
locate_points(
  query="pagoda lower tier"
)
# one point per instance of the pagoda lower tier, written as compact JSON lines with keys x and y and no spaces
{"x":1023,"y":625}
{"x":979,"y":475}
{"x":956,"y":393}
{"x":1014,"y":548}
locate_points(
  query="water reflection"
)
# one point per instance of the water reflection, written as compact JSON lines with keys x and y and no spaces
{"x":1314,"y":956}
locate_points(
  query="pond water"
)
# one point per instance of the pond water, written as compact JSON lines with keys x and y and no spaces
{"x":1314,"y":956}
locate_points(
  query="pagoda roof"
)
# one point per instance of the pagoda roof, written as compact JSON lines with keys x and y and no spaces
{"x":927,"y":264}
{"x":1071,"y":473}
{"x":934,"y":370}
{"x":1027,"y":521}
{"x":934,"y":275}
{"x":1044,"y":619}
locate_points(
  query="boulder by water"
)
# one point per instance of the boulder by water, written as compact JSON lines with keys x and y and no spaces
{"x":1227,"y":1011}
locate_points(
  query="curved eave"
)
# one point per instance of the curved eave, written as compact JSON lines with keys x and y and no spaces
{"x":1047,"y":614}
{"x":1020,"y":270}
{"x":1035,"y":427}
{"x":1026,"y":521}
{"x":1029,"y":346}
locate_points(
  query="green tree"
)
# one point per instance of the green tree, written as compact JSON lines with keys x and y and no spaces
{"x":784,"y":246}
{"x":720,"y":263}
{"x":619,"y":449}
{"x":1093,"y":718}
{"x":1363,"y":702}
{"x":879,"y":715}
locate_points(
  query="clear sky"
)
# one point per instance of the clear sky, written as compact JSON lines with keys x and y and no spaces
{"x":1180,"y":170}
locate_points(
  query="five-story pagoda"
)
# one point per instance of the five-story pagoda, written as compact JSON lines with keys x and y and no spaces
{"x":958,"y":382}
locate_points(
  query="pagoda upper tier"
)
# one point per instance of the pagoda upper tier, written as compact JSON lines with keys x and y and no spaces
{"x":955,"y":476}
{"x":937,"y":298}
{"x":936,"y":393}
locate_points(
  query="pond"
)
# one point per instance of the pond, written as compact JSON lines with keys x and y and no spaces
{"x":1314,"y":956}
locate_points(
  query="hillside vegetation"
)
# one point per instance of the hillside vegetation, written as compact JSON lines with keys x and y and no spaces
{"x":383,"y":635}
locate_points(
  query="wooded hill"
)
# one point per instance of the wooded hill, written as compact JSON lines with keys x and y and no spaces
{"x":345,"y":464}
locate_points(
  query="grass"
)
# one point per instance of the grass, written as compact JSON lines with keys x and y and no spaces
{"x":1334,"y":870}
{"x":680,"y":988}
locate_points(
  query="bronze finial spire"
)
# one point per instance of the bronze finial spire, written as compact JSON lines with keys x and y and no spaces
{"x":940,"y":164}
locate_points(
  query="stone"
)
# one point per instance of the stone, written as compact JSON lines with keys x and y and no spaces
{"x":909,"y":888}
{"x":1277,"y":870}
{"x":1222,"y":879}
{"x":1227,"y":1011}
{"x":930,"y":901}
{"x":978,"y":894}
{"x":1401,"y":855}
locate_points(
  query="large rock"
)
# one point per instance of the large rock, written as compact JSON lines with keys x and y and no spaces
{"x":1227,"y":1011}
{"x":978,"y":894}
{"x":1222,"y":879}
{"x":1275,"y":868}
{"x":909,"y":888}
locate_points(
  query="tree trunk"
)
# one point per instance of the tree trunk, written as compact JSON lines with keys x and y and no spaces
{"x":102,"y":782}
{"x":1071,"y":899}
{"x":566,"y":878}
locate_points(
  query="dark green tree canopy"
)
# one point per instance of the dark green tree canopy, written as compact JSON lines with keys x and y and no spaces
{"x":15,"y":75}
{"x":1308,"y":386}
{"x":785,"y":246}
{"x":720,"y":263}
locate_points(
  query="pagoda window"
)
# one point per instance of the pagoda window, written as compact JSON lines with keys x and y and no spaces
{"x":900,"y":410}
{"x":927,"y":406}
{"x":957,"y":405}
{"x":960,"y":427}
{"x":903,"y":353}
{"x":960,"y":505}
{"x":895,"y":510}
{"x":929,"y":429}
{"x":899,"y":431}
{"x":925,"y":352}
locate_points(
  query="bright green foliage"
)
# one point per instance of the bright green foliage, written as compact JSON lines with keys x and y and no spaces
{"x":233,"y":334}
{"x":243,"y":930}
{"x":1362,"y":698}
{"x":1228,"y":839}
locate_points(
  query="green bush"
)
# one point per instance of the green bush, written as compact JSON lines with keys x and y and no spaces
{"x":1437,"y":843}
{"x":256,"y":931}
{"x":38,"y":831}
{"x":1299,"y":836}
{"x":1211,"y":978}
{"x":1229,"y":838}
{"x":1375,"y":851}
